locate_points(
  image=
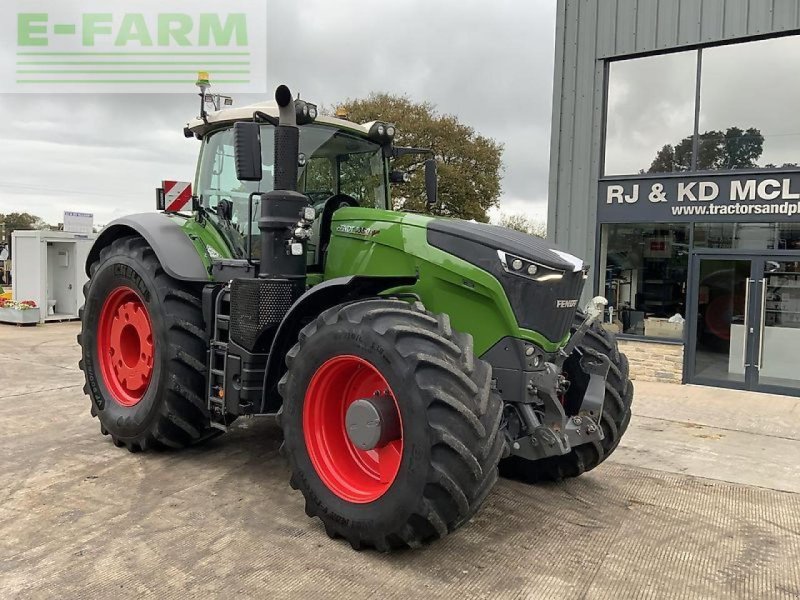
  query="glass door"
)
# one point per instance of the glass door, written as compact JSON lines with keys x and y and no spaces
{"x":720,"y":334}
{"x":744,"y":323}
{"x":778,"y":333}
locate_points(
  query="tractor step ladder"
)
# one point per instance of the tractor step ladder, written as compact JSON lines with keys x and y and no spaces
{"x":217,"y":353}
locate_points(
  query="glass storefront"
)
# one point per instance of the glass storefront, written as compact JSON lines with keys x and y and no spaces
{"x":639,"y":123}
{"x":747,"y":236}
{"x":731,"y":291}
{"x":699,"y":209}
{"x":655,"y":123}
{"x":643,"y":275}
{"x":761,"y":128}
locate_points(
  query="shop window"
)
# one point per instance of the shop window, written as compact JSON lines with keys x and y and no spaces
{"x":650,"y":114}
{"x":748,"y":105}
{"x":748,"y":236}
{"x":643,"y":274}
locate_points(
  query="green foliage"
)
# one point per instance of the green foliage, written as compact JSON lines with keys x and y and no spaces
{"x":469,"y":164}
{"x":523,"y":223}
{"x":734,"y":148}
{"x":12,"y":221}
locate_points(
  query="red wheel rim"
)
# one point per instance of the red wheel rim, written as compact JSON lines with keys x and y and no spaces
{"x":353,"y":474}
{"x":125,"y":346}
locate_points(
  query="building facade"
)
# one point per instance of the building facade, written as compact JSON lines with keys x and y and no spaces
{"x":675,"y":170}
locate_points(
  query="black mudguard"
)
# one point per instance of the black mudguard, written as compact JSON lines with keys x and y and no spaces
{"x":308,"y":306}
{"x":175,"y":251}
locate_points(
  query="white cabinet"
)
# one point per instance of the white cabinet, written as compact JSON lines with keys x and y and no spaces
{"x":49,"y":268}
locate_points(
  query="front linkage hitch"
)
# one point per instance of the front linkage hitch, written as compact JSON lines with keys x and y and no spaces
{"x":546,"y":428}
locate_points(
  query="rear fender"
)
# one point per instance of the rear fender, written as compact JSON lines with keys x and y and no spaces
{"x":175,"y":250}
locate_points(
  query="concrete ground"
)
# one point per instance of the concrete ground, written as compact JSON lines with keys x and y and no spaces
{"x":702,"y":499}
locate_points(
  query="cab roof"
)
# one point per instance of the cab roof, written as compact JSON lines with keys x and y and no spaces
{"x":245,"y":113}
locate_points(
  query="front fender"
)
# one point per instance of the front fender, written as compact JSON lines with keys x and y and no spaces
{"x":308,"y":306}
{"x":175,"y":251}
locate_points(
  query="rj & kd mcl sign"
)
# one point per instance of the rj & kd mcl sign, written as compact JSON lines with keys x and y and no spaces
{"x":761,"y":197}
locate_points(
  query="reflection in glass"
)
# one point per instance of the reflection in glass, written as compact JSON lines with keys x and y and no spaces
{"x":749,"y":98}
{"x":733,"y":148}
{"x":644,"y":270}
{"x":720,"y":326}
{"x":749,"y":236}
{"x":650,"y":105}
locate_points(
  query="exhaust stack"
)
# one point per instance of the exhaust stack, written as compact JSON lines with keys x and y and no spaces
{"x":287,"y":139}
{"x":283,"y":210}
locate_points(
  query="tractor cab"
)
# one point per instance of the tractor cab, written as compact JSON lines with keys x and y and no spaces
{"x":340,"y":163}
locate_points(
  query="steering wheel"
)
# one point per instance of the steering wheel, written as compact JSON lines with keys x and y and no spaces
{"x":318,"y":197}
{"x":330,"y":206}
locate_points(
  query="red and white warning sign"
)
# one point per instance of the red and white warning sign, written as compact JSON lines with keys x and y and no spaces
{"x":177,"y":195}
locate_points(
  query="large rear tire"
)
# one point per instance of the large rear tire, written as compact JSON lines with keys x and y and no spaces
{"x":437,"y":467}
{"x":143,"y":350}
{"x":614,"y":421}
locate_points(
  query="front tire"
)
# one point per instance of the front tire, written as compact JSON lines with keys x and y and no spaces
{"x":143,"y":350}
{"x":614,"y":420}
{"x":434,"y":470}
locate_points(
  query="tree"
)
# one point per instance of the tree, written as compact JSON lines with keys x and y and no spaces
{"x":469,"y":164}
{"x":732,"y":149}
{"x":523,"y":223}
{"x":13,"y":221}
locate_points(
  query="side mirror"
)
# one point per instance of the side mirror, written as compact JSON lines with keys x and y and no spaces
{"x":399,"y":177}
{"x":247,"y":151}
{"x":431,"y":189}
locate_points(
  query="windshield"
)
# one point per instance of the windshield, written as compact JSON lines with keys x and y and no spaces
{"x":336,"y":162}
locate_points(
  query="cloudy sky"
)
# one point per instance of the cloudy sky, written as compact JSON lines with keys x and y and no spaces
{"x":489,"y":63}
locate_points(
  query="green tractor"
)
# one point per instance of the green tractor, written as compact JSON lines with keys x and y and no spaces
{"x":409,"y":359}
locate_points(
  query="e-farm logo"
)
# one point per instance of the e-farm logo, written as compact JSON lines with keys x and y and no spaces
{"x":146,"y":46}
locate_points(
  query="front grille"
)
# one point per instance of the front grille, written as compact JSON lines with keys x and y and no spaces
{"x":545,"y":307}
{"x":257,"y":308}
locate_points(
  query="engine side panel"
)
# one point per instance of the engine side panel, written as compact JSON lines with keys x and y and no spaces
{"x":385,"y":243}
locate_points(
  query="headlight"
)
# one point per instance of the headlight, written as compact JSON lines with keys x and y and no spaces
{"x":305,"y":111}
{"x":522,"y":267}
{"x":381,"y":132}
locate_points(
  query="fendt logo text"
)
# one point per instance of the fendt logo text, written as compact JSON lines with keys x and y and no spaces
{"x":151,"y":48}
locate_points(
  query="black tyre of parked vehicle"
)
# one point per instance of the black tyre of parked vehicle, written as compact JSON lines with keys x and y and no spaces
{"x":614,"y":421}
{"x":440,"y":440}
{"x":143,"y":354}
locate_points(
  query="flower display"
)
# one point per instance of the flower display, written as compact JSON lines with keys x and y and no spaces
{"x":22,"y":305}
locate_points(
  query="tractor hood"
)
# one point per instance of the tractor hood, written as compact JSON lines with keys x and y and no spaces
{"x":525,"y":246}
{"x":543,"y":284}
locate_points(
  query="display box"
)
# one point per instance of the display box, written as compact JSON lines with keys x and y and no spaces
{"x":655,"y":327}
